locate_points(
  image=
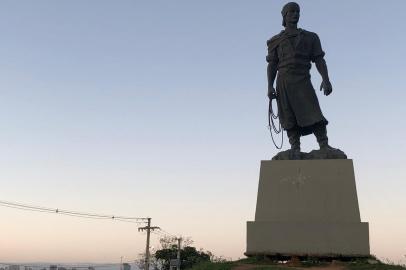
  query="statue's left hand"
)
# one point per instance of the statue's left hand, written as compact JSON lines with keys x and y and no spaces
{"x":328,"y":88}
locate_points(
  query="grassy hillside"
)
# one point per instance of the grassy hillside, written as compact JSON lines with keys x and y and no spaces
{"x":252,"y":264}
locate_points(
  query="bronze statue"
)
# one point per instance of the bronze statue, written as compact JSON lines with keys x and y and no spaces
{"x":289,"y":58}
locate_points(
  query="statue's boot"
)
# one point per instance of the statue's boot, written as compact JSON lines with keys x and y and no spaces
{"x":320,"y":132}
{"x":294,"y":140}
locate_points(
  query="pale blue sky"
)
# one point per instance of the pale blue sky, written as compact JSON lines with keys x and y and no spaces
{"x":158,"y":108}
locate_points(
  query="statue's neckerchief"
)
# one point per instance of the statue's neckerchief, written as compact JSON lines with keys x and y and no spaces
{"x":283,"y":35}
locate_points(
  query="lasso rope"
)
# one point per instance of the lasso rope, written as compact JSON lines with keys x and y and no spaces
{"x":271,"y":124}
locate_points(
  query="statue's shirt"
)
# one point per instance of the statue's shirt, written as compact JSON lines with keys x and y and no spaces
{"x":294,"y":51}
{"x":297,"y":101}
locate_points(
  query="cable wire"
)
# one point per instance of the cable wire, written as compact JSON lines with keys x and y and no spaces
{"x":27,"y":207}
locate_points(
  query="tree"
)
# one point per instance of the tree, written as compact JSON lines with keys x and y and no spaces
{"x":189,"y":255}
{"x":169,"y":241}
{"x":140,"y":262}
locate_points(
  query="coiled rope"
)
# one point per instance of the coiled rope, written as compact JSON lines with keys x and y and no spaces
{"x":271,"y":124}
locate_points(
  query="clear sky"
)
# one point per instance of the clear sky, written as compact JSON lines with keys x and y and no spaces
{"x":158,"y":108}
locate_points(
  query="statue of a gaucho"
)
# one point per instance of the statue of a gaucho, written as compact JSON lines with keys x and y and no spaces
{"x":290,"y":54}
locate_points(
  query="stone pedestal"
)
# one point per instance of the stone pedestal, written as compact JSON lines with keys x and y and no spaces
{"x":307,"y":207}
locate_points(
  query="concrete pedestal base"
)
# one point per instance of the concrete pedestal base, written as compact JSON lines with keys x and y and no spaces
{"x":294,"y":238}
{"x":307,"y":207}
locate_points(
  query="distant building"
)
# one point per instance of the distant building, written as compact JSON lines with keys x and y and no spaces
{"x":61,"y":268}
{"x":126,"y":266}
{"x":14,"y":267}
{"x":53,"y":267}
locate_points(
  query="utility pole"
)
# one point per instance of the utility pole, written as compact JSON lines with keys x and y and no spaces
{"x":148,"y":228}
{"x":178,"y":257}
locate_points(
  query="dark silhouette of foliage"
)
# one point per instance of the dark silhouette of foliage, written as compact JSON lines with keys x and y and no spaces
{"x":189,"y":256}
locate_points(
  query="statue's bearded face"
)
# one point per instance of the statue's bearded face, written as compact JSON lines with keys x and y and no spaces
{"x":293,"y":15}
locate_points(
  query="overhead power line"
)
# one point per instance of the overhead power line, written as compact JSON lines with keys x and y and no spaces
{"x":162,"y":234}
{"x":167,"y":233}
{"x":27,"y":207}
{"x":138,"y":220}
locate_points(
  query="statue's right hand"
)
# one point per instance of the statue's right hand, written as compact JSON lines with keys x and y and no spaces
{"x":326,"y":86}
{"x":271,"y":93}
